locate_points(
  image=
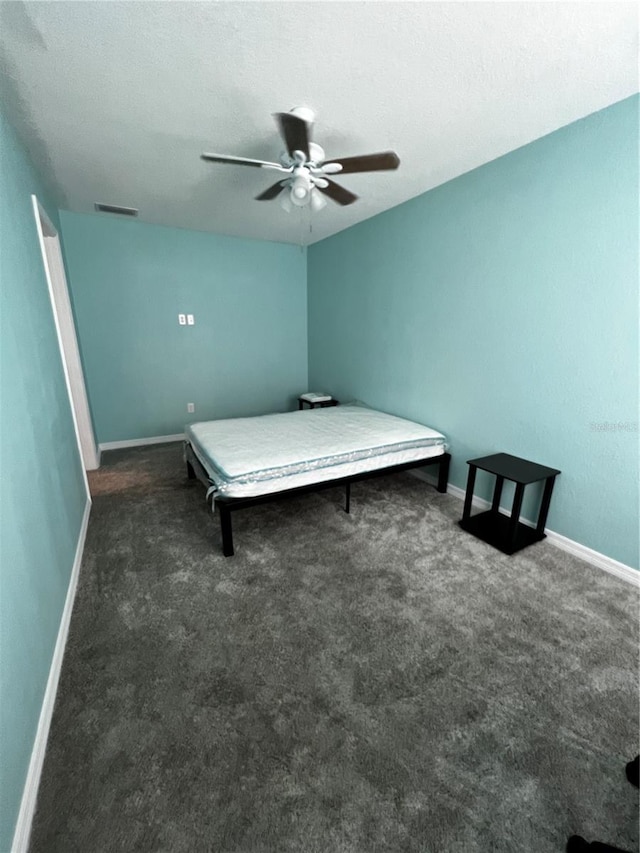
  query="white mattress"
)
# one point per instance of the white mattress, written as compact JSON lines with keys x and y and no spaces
{"x":245,"y":457}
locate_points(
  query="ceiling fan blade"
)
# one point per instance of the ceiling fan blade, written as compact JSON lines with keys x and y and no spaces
{"x":338,"y":193}
{"x":295,"y":132}
{"x":368,"y":162}
{"x":271,"y":192}
{"x":241,"y":161}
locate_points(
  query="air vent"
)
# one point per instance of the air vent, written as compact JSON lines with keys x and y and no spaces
{"x":113,"y":208}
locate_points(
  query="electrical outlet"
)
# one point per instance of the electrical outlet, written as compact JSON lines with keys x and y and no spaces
{"x":191,"y":320}
{"x":182,"y":319}
{"x":191,"y":407}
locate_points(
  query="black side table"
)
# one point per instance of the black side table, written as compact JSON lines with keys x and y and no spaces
{"x":506,"y":533}
{"x":317,"y":404}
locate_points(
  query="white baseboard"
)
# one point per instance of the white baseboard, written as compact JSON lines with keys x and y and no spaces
{"x":30,"y":793}
{"x":139,"y":442}
{"x":594,"y":558}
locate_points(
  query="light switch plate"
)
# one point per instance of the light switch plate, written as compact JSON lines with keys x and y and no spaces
{"x":190,"y":320}
{"x":191,"y":407}
{"x":182,"y":319}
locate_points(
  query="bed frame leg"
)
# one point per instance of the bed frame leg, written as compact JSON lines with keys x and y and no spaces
{"x":347,"y":497}
{"x":443,"y":473}
{"x":226,"y":530}
{"x":191,"y":474}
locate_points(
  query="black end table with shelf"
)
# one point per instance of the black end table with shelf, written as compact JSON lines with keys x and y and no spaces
{"x":317,"y":404}
{"x":508,"y":534}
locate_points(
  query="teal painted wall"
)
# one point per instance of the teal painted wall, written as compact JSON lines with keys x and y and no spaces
{"x":42,"y":493}
{"x":246,"y":354}
{"x":502,"y":309}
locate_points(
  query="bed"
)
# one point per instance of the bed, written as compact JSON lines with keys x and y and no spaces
{"x":248,"y":461}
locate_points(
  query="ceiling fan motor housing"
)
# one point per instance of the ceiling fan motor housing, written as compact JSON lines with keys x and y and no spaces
{"x":316,"y":157}
{"x":305,"y":113}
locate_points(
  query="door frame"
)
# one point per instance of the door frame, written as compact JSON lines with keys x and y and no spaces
{"x":51,"y":250}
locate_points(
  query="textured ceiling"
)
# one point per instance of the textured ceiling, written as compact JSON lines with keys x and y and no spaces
{"x":116,"y":100}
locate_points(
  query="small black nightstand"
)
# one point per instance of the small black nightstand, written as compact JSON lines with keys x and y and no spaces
{"x":321,"y":404}
{"x":506,"y":533}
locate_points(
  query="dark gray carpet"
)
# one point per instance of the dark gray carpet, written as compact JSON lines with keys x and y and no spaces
{"x":374,"y":682}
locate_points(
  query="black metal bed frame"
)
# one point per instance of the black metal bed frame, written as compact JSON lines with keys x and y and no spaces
{"x":228,"y":505}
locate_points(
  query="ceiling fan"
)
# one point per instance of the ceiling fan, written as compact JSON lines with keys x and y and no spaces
{"x":303,"y":163}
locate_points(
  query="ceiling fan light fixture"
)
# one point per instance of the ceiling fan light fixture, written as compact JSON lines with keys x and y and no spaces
{"x":318,"y":201}
{"x":300,"y":191}
{"x":285,"y":202}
